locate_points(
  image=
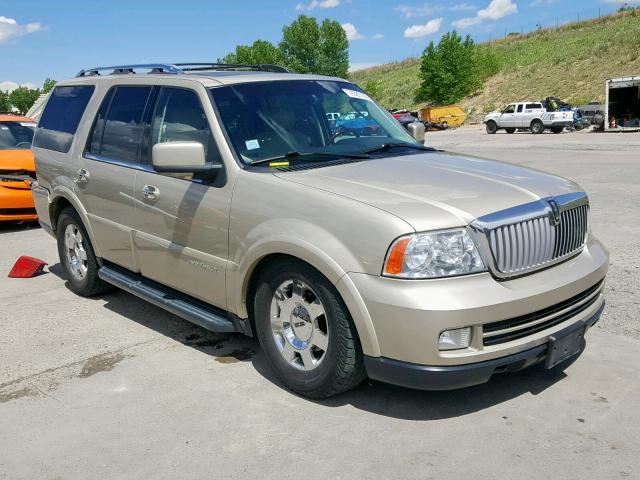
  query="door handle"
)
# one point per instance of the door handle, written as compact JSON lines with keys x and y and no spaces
{"x":150,"y":192}
{"x":81,"y":176}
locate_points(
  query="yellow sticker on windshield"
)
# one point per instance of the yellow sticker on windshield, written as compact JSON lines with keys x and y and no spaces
{"x":279,"y":164}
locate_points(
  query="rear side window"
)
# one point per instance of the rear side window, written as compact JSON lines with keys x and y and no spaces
{"x":61,"y":117}
{"x":65,"y":108}
{"x":118,"y":127}
{"x":533,"y":106}
{"x":519,"y":108}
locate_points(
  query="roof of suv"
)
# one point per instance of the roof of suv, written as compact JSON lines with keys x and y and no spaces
{"x":217,"y":75}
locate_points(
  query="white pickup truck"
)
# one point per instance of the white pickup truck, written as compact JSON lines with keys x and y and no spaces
{"x":531,"y":115}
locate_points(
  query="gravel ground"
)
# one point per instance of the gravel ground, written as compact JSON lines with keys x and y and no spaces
{"x":607,"y":166}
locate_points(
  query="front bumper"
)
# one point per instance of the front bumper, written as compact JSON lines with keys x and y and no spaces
{"x":402,"y":319}
{"x":450,"y":377}
{"x":16,"y":202}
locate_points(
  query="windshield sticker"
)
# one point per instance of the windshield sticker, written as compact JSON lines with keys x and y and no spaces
{"x":357,"y":94}
{"x":252,"y":144}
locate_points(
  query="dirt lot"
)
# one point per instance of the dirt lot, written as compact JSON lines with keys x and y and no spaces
{"x":113,"y":387}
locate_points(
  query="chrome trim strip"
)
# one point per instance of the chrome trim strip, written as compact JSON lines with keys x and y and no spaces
{"x":559,"y":313}
{"x":120,"y":163}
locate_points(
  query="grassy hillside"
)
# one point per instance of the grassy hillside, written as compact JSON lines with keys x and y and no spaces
{"x":571,"y":62}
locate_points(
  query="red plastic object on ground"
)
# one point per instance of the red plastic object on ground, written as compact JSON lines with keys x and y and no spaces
{"x":27,"y":267}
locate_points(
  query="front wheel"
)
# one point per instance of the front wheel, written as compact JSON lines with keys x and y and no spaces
{"x":492,"y":127}
{"x":306,"y":331}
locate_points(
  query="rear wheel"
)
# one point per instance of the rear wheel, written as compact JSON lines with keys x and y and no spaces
{"x":77,"y":257}
{"x":510,"y":130}
{"x":537,"y":127}
{"x":492,"y":127}
{"x":306,"y":331}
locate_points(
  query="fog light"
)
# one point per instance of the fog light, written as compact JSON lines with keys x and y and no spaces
{"x":455,"y":339}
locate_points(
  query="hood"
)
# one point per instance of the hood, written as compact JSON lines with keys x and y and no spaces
{"x":436,"y":189}
{"x":15,"y":160}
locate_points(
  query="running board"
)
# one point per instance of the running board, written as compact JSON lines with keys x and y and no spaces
{"x":211,"y":318}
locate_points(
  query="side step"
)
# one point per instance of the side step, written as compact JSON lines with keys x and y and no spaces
{"x":179,"y":304}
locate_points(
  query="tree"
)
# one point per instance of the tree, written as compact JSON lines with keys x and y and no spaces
{"x":5,"y":106}
{"x":260,"y":52}
{"x":448,"y":71}
{"x":300,"y":45}
{"x":333,"y":50}
{"x":48,"y":85}
{"x":22,"y":98}
{"x":311,"y":48}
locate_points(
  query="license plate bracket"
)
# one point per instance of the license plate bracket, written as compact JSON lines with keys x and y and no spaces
{"x":565,"y":344}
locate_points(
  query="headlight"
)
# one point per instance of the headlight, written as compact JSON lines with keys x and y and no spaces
{"x":433,"y":254}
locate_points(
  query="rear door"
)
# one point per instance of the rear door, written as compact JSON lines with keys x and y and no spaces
{"x":183,"y":220}
{"x":531,"y":111}
{"x":105,"y":180}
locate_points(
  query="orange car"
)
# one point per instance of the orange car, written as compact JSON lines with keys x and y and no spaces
{"x":17,"y":168}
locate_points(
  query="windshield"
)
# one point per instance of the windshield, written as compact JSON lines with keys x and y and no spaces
{"x":313,"y":118}
{"x":16,"y":135}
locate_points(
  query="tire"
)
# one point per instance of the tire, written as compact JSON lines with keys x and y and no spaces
{"x":80,"y":265}
{"x":492,"y":127}
{"x":537,"y":127}
{"x":510,"y":130}
{"x":557,"y":130}
{"x":333,"y":367}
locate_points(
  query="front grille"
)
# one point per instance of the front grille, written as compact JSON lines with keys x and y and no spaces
{"x":535,"y":235}
{"x":519,"y":327}
{"x":533,"y":243}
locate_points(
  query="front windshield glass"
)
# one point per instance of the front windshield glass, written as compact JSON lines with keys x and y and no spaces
{"x":315,"y":118}
{"x":16,"y":135}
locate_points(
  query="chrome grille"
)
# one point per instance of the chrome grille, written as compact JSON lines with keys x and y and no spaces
{"x":535,"y":235}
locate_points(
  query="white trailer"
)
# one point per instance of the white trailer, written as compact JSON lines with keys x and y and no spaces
{"x":622,"y":104}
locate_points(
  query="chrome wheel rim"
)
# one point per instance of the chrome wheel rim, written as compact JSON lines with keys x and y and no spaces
{"x":75,"y":252}
{"x":299,"y":325}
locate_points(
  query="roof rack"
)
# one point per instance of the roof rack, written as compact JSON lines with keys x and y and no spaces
{"x":177,"y":68}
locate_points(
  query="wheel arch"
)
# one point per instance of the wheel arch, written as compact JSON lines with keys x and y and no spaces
{"x":326,"y":267}
{"x":62,"y":197}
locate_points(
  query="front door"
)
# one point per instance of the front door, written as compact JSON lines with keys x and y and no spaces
{"x":508,"y":117}
{"x":183,"y":221}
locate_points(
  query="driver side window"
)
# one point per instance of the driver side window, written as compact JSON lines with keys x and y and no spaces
{"x":510,"y":109}
{"x":179,"y":117}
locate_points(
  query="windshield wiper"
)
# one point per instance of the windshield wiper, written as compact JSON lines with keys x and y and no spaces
{"x":388,"y":146}
{"x":297,"y":155}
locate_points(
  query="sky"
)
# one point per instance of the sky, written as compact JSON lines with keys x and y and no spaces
{"x":40,"y":39}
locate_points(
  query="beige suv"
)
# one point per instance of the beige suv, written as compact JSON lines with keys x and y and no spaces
{"x":226,"y":195}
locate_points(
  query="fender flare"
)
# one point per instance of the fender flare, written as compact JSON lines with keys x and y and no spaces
{"x":62,"y":191}
{"x":239,"y":276}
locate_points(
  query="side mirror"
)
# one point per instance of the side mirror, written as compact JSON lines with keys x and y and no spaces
{"x":416,"y":130}
{"x":181,"y":157}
